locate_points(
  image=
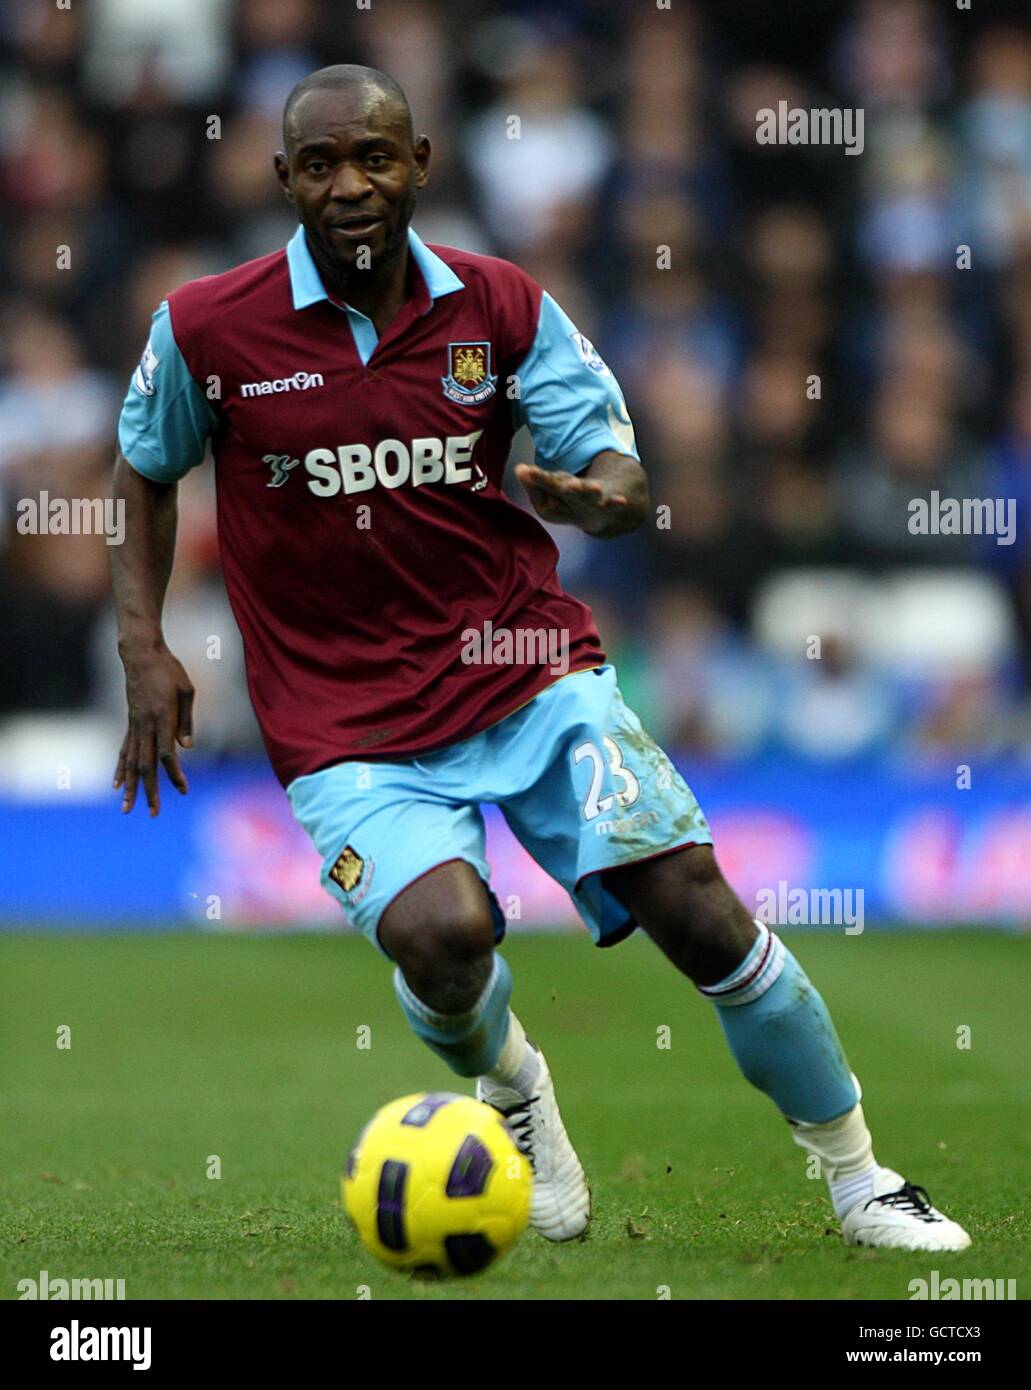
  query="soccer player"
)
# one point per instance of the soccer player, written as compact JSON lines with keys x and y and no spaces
{"x":410,"y":652}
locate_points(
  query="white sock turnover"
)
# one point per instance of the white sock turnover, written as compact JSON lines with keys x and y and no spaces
{"x":845,"y":1150}
{"x":517,"y":1065}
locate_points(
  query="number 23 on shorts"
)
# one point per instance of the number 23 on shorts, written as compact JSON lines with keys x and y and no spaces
{"x":595,"y":804}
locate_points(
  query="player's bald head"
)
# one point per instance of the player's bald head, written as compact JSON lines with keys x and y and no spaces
{"x":376,"y":92}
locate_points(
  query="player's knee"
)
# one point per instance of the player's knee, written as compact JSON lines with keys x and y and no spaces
{"x":445,"y":960}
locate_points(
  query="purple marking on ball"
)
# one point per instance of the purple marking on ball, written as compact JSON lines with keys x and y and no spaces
{"x":470,"y":1170}
{"x":424,"y":1110}
{"x":469,"y":1254}
{"x":390,"y":1199}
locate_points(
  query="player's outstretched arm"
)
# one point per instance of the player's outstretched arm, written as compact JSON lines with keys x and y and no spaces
{"x":609,"y":498}
{"x":158,"y":690}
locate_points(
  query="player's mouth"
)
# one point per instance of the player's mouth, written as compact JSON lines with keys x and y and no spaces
{"x":357,"y":228}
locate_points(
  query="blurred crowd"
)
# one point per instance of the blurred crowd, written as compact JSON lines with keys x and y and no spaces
{"x":803,"y":343}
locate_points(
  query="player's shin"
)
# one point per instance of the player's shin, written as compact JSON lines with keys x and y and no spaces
{"x":781,"y":1034}
{"x":782,"y":1038}
{"x":471,"y":1042}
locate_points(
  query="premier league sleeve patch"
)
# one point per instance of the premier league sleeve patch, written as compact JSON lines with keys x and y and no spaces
{"x":590,"y":354}
{"x":143,"y":378}
{"x":469,"y":380}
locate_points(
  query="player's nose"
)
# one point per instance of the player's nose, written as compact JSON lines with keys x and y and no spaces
{"x":350,"y":184}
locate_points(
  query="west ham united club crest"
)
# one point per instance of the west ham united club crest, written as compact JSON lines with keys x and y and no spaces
{"x":348,"y":869}
{"x":469,"y":380}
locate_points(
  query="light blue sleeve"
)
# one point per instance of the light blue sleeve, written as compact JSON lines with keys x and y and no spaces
{"x":569,"y":397}
{"x":166,"y":418}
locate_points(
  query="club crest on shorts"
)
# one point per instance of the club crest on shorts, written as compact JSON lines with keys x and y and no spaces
{"x":348,"y":869}
{"x":469,"y":380}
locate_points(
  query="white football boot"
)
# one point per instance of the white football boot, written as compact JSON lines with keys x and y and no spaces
{"x":900,"y":1216}
{"x":561,"y":1205}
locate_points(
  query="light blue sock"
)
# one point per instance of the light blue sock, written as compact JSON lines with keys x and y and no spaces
{"x":781,"y":1034}
{"x":471,"y":1042}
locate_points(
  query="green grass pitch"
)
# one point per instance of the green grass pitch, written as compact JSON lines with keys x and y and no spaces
{"x":186,"y":1045}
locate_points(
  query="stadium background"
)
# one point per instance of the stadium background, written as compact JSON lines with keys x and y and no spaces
{"x":788,"y":514}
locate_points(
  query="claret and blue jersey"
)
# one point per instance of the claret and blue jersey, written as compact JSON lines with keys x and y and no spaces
{"x":362,"y":521}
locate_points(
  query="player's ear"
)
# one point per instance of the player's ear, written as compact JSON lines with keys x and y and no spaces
{"x":283,"y":174}
{"x":421,"y":152}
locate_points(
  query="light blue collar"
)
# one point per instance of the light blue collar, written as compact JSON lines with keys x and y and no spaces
{"x":306,"y":284}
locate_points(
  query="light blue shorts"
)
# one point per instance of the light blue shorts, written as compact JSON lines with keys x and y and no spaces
{"x":580,"y":783}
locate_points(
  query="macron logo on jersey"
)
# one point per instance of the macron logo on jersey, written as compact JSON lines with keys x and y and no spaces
{"x":300,"y":381}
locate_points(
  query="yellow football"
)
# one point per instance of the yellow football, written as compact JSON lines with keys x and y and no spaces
{"x":436,"y":1183}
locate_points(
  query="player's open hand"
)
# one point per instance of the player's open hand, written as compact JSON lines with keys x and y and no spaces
{"x":160,"y":696}
{"x":593,"y":504}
